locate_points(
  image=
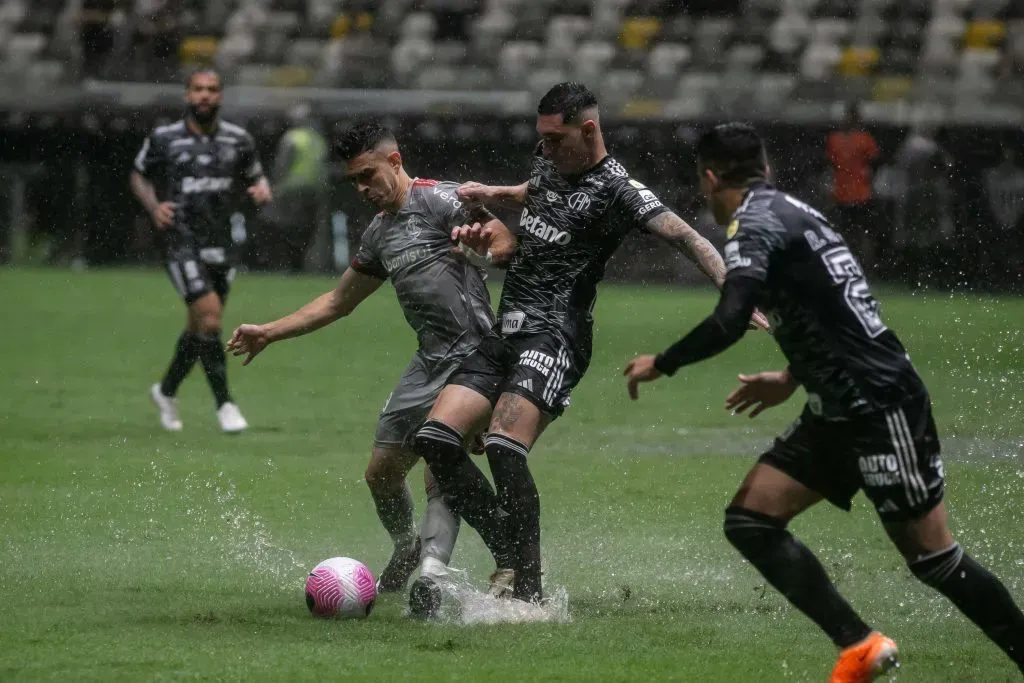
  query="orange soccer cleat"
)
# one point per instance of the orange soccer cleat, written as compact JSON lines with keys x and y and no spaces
{"x":867,"y":660}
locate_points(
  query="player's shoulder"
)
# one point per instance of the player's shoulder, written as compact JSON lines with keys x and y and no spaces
{"x":436,"y":193}
{"x":233,"y":130}
{"x":759,"y":212}
{"x":170,"y":131}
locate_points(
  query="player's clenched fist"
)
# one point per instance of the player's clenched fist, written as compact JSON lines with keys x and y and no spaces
{"x":163,"y":215}
{"x":476,"y":193}
{"x":248,"y":340}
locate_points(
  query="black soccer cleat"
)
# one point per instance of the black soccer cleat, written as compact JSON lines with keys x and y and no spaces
{"x":424,"y":598}
{"x":400,"y":567}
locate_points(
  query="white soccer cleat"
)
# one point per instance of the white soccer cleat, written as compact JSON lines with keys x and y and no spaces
{"x":230,"y":418}
{"x":168,"y":407}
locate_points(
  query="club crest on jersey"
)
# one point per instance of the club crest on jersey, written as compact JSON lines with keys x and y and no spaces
{"x":579,"y":201}
{"x":637,"y":184}
{"x":413,"y":228}
{"x":730,"y":232}
{"x":541,"y":230}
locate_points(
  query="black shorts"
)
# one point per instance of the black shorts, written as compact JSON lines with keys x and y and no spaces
{"x":197,"y":272}
{"x":893,"y":455}
{"x":543,"y":368}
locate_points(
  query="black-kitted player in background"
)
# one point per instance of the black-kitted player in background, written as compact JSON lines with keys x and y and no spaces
{"x":867,"y":423}
{"x":577,"y":207}
{"x":189,"y":176}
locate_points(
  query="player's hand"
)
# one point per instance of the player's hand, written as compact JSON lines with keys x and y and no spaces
{"x":761,"y":391}
{"x":260,"y":193}
{"x":640,"y":369}
{"x":758,"y":320}
{"x":248,"y":340}
{"x":163,"y":215}
{"x":476,"y":194}
{"x":476,"y":237}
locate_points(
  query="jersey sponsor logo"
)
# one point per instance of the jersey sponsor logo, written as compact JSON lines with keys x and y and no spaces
{"x":406,"y":258}
{"x":647,"y":208}
{"x":647,"y":196}
{"x":733,"y":258}
{"x":512,"y":322}
{"x":637,"y":184}
{"x":196,"y":185}
{"x":579,"y":201}
{"x":733,"y":228}
{"x":448,"y":197}
{"x":880,"y":470}
{"x":552,"y":196}
{"x":541,"y":362}
{"x":541,"y":230}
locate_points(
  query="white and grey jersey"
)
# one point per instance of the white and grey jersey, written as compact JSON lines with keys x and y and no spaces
{"x":569,"y":229}
{"x":443,"y":298}
{"x":205,"y":175}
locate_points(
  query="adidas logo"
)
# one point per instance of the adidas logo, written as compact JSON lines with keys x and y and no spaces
{"x":535,"y":181}
{"x":526,"y":384}
{"x":888,"y":506}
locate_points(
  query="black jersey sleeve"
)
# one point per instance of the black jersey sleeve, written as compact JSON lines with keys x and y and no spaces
{"x":152,"y":157}
{"x":636,"y":205}
{"x":367,"y":259}
{"x":753,"y":239}
{"x":719,"y":331}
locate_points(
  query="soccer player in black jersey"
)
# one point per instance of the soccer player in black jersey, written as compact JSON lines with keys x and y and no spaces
{"x":577,"y":207}
{"x":189,"y":176}
{"x":867,"y":423}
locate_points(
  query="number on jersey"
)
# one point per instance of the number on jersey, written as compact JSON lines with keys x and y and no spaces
{"x":845,"y":270}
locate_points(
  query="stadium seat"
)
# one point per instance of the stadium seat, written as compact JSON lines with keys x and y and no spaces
{"x":891,"y":88}
{"x":638,"y":32}
{"x":591,"y":60}
{"x":666,"y":60}
{"x":819,"y":61}
{"x":305,"y":51}
{"x":517,"y":60}
{"x":23,"y":48}
{"x":983,"y":34}
{"x":409,"y":56}
{"x":197,"y":50}
{"x":418,"y":26}
{"x":540,"y":80}
{"x":858,"y":61}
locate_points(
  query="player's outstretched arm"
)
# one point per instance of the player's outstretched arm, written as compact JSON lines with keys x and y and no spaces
{"x":761,"y":391}
{"x":494,"y":196}
{"x":352,"y":289}
{"x":677,"y":232}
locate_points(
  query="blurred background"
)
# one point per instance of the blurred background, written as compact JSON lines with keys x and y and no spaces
{"x":900,"y":118}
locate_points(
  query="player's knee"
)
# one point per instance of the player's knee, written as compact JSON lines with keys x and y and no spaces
{"x":435,"y":442}
{"x":381,"y":479}
{"x":934,"y":569}
{"x":752,"y":532}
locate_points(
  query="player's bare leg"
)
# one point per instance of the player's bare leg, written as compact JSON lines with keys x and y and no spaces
{"x":938,"y":560}
{"x":755,"y":524}
{"x":457,"y":412}
{"x":204,"y":322}
{"x":515,"y":427}
{"x":385,"y":476}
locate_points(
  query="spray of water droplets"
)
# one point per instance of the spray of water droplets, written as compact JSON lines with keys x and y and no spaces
{"x":464,"y":604}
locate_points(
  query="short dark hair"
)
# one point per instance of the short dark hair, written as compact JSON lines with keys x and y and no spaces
{"x":203,"y":70}
{"x":735,"y":152}
{"x":362,"y":136}
{"x":570,"y":99}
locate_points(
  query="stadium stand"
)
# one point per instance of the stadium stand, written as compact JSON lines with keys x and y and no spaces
{"x":943,"y":50}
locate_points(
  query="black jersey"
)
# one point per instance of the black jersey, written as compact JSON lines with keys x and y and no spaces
{"x":204,"y":175}
{"x":569,"y":229}
{"x":825,"y":319}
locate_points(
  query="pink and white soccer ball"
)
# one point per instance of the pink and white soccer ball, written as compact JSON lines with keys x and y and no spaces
{"x":341,"y":587}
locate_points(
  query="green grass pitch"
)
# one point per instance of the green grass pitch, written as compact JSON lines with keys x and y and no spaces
{"x":130,"y":554}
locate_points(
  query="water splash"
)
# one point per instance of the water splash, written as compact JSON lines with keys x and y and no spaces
{"x":466,"y":605}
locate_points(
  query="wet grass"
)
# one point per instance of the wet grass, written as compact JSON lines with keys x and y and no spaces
{"x":130,"y":554}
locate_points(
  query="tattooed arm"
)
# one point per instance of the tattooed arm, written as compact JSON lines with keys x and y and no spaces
{"x":677,"y":232}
